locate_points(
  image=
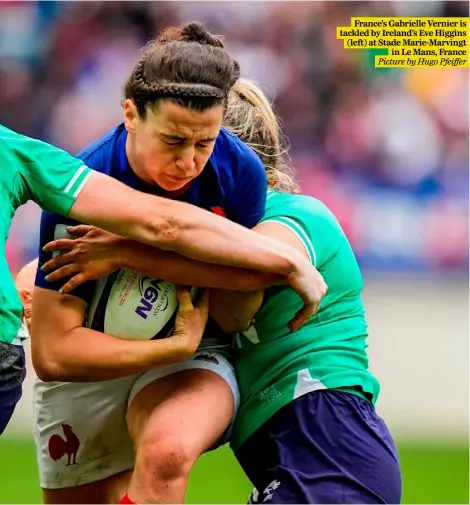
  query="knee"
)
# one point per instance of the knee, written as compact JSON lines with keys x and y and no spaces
{"x":165,"y":458}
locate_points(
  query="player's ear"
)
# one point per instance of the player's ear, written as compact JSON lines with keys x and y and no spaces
{"x":130,"y":115}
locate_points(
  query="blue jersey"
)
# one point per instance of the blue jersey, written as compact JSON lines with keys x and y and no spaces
{"x":233,"y":184}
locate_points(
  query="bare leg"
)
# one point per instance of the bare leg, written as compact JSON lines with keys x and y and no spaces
{"x":172,"y":421}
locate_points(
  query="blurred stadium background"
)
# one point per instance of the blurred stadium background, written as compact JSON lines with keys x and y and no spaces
{"x":387,"y":150}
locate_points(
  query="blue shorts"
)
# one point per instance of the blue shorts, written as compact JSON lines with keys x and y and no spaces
{"x":324,"y":447}
{"x":12,"y":374}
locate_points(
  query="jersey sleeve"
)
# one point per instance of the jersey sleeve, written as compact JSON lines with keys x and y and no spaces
{"x":311,"y":221}
{"x":51,"y":177}
{"x":247,"y":201}
{"x":51,"y":223}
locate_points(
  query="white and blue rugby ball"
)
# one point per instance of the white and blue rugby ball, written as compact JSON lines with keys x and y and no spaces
{"x":131,"y":306}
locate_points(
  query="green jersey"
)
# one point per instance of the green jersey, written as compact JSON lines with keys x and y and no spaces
{"x":274,"y":366}
{"x":30,"y":170}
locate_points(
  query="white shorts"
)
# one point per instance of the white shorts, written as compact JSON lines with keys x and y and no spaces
{"x":80,"y":428}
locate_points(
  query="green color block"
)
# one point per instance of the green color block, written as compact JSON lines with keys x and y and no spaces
{"x":432,"y":473}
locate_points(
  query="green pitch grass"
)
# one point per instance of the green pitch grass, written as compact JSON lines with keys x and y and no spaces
{"x":431,"y":474}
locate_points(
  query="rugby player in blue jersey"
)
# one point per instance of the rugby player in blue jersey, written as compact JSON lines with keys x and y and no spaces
{"x":171,"y":144}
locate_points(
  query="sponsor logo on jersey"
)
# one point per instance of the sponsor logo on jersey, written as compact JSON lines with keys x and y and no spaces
{"x":206,"y":356}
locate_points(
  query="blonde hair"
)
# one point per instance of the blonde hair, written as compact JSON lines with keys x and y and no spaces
{"x":251,"y":117}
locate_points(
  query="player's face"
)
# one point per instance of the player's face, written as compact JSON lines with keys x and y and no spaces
{"x":172,"y":145}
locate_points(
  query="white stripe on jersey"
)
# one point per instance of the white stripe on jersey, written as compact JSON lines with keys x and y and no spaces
{"x":299,"y":233}
{"x":306,"y":239}
{"x":82,"y":185}
{"x":74,"y":178}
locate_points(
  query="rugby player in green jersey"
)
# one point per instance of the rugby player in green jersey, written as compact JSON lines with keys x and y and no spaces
{"x":307,"y":430}
{"x":33,"y":170}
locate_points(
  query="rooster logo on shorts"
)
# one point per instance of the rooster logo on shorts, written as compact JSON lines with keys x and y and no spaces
{"x":59,"y":447}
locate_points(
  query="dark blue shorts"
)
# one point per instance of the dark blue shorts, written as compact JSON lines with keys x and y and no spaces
{"x":324,"y":447}
{"x":12,"y":374}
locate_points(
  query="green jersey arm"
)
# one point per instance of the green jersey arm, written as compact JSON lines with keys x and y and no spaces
{"x":310,"y":220}
{"x":234,"y":311}
{"x":180,"y":227}
{"x":40,"y":172}
{"x":63,"y":350}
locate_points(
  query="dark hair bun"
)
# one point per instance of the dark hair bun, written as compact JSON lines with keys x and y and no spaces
{"x":186,"y":63}
{"x":190,"y":32}
{"x":195,"y":32}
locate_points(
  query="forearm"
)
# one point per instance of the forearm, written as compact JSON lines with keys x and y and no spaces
{"x":209,"y":238}
{"x":84,"y":355}
{"x":179,"y":227}
{"x":175,"y":268}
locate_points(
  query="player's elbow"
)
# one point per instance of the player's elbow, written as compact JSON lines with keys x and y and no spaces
{"x":48,"y":369}
{"x":51,"y":369}
{"x":47,"y":361}
{"x":46,"y":373}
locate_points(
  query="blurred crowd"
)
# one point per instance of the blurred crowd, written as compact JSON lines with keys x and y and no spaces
{"x":386,"y":149}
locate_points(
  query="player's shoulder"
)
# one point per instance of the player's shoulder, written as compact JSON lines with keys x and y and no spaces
{"x":226,"y":140}
{"x":232,"y":155}
{"x":19,"y":144}
{"x":99,"y":154}
{"x":6,"y":133}
{"x":297,"y":203}
{"x":7,"y":150}
{"x":305,"y":209}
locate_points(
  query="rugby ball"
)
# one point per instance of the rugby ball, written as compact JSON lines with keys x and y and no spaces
{"x":132,"y":306}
